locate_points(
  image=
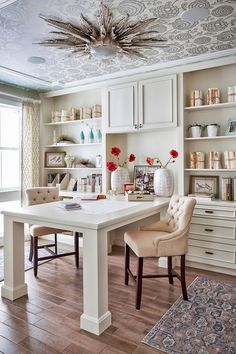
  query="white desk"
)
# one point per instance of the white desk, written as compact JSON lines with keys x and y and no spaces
{"x":94,"y":220}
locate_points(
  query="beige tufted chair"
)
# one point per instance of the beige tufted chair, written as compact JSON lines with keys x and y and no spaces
{"x":165,"y":238}
{"x":40,"y":195}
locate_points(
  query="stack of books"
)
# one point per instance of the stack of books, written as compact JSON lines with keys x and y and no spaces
{"x":69,"y":205}
{"x":201,"y":197}
{"x":228,"y":188}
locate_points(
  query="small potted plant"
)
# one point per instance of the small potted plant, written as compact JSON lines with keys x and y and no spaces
{"x":212,"y":129}
{"x":195,"y":130}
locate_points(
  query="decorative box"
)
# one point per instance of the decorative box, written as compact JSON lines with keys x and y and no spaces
{"x":135,"y":196}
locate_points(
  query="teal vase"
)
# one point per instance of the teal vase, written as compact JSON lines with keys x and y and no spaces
{"x":99,"y":136}
{"x":82,"y":137}
{"x":91,"y":136}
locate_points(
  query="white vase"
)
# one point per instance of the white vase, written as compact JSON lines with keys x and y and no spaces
{"x":196,"y":131}
{"x":212,"y":130}
{"x":163,"y":182}
{"x":118,"y":178}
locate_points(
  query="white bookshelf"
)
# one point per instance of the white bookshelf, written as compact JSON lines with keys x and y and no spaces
{"x":204,"y":138}
{"x":74,"y":168}
{"x":210,"y":170}
{"x":74,"y":122}
{"x":70,"y":145}
{"x":211,"y":106}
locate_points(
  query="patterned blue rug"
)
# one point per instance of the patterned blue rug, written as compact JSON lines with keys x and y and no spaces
{"x":28,"y":264}
{"x":206,"y":324}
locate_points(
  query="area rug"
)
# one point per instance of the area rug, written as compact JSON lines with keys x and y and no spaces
{"x":28,"y":264}
{"x":206,"y":324}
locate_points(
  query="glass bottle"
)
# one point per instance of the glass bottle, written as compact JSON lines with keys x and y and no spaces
{"x":91,"y":136}
{"x":82,"y":137}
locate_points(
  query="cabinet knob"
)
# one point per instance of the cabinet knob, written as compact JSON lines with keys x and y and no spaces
{"x":209,"y":211}
{"x":140,"y":125}
{"x":207,"y":252}
{"x":136,"y":126}
{"x":209,"y":230}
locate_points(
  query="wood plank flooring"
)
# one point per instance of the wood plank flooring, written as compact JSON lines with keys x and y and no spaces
{"x":47,"y":321}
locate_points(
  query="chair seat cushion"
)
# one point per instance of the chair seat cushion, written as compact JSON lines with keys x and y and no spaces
{"x":141,"y":242}
{"x":39,"y":230}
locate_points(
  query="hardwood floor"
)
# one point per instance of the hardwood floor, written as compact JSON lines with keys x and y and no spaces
{"x":47,"y":322}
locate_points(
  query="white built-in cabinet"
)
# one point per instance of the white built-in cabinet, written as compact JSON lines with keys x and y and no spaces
{"x":122,"y":108}
{"x":142,"y":105}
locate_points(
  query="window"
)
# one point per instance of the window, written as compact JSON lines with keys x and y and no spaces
{"x":9,"y":147}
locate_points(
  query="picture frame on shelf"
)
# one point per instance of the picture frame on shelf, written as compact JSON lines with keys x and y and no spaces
{"x":204,"y":185}
{"x":55,"y":159}
{"x":144,"y":177}
{"x":231,"y":127}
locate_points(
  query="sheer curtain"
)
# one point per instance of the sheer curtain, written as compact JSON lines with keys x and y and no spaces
{"x":30,"y":135}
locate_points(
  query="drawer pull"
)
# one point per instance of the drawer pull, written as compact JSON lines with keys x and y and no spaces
{"x":207,"y":252}
{"x":209,"y":230}
{"x":209,"y":211}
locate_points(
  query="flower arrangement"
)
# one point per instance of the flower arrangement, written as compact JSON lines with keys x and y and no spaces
{"x":173,"y":155}
{"x":112,"y":166}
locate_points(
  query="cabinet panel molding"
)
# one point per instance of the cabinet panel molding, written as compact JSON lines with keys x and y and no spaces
{"x":121,"y":107}
{"x":158,"y":102}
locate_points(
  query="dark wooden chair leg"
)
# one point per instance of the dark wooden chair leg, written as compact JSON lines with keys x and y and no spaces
{"x":31,"y":248}
{"x":76,"y":238}
{"x":139,"y":280}
{"x":183,"y":282}
{"x":55,"y":238}
{"x":127,"y":260}
{"x":171,"y":280}
{"x":35,"y":257}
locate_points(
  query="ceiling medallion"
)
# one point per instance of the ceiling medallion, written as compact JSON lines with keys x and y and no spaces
{"x":106,"y":38}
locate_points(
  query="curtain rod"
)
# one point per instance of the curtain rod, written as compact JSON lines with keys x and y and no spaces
{"x":19,"y":98}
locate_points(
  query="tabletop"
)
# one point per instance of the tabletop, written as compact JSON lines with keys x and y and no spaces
{"x":93,"y":214}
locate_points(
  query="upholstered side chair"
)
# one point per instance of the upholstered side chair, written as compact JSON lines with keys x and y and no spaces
{"x":40,"y":195}
{"x":165,"y":238}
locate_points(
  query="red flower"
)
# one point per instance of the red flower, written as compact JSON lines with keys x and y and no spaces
{"x":111,"y":166}
{"x":115,"y":151}
{"x":174,"y":154}
{"x":149,"y":160}
{"x":131,"y":158}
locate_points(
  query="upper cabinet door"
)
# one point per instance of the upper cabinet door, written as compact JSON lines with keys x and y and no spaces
{"x":121,"y":105}
{"x":158,"y":102}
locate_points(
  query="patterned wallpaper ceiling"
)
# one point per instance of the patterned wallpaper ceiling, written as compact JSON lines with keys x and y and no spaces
{"x":20,"y":26}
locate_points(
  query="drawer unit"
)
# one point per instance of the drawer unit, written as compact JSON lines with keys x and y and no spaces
{"x":215,"y":212}
{"x":206,"y":253}
{"x":206,"y":229}
{"x":212,"y":237}
{"x":212,"y":253}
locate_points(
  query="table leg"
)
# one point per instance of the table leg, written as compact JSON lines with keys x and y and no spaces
{"x":96,"y":317}
{"x":14,"y":276}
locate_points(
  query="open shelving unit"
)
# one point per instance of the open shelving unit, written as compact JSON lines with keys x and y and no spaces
{"x":71,"y":129}
{"x":207,"y":114}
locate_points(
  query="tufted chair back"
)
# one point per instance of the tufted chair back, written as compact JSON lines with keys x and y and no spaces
{"x":179,"y":212}
{"x":40,"y":195}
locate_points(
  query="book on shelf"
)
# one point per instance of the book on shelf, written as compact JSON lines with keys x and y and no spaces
{"x":226,"y":189}
{"x":234,"y":189}
{"x":201,"y":197}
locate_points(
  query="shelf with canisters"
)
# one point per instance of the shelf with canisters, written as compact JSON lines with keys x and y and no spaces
{"x":71,"y":122}
{"x":70,"y":145}
{"x":211,"y":106}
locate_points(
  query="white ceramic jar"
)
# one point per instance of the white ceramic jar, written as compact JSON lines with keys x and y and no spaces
{"x":118,"y":178}
{"x":163,"y":182}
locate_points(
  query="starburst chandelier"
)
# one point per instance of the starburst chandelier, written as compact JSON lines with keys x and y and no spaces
{"x":106,"y":38}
